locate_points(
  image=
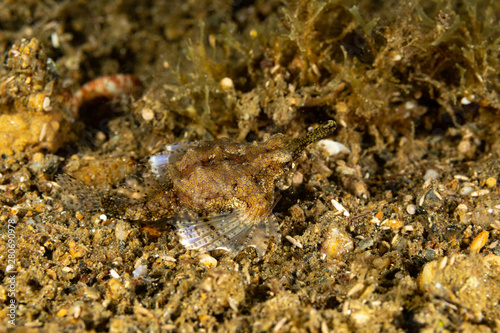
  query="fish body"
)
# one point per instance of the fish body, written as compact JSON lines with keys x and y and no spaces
{"x":218,"y":194}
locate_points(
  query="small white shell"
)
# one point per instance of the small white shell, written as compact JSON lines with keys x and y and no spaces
{"x":226,"y":83}
{"x":333,"y":147}
{"x":207,"y":260}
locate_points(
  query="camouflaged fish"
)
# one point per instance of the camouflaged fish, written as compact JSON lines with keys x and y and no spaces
{"x":218,"y":194}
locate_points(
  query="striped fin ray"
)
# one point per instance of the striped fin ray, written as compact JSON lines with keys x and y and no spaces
{"x":77,"y":195}
{"x":210,"y":232}
{"x":173,"y":153}
{"x":232,"y":232}
{"x":239,"y":240}
{"x":263,"y":231}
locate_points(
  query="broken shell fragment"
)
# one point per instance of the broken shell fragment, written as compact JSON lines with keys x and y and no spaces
{"x":207,"y":260}
{"x":333,"y":147}
{"x":337,"y":244}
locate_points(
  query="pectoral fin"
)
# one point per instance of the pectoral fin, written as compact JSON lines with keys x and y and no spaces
{"x":232,"y":232}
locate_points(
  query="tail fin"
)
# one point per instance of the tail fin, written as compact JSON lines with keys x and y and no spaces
{"x":321,"y":132}
{"x":77,"y":195}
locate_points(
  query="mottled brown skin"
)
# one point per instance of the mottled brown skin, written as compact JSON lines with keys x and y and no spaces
{"x":213,"y":177}
{"x":220,"y":176}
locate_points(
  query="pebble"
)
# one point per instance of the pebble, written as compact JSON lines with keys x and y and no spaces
{"x":431,"y":174}
{"x":393,"y":224}
{"x":411,"y":209}
{"x":297,"y":178}
{"x":465,"y":101}
{"x":410,"y":105}
{"x":294,"y":241}
{"x":491,"y":182}
{"x":100,"y":136}
{"x":114,"y":274}
{"x":46,"y":104}
{"x":30,"y":222}
{"x":426,"y":279}
{"x":465,"y":147}
{"x":121,"y":231}
{"x":297,"y":213}
{"x":62,"y":312}
{"x":461,"y":212}
{"x":479,"y":193}
{"x":46,"y":163}
{"x":115,"y":287}
{"x":429,"y":255}
{"x":226,"y":83}
{"x":168,"y":258}
{"x":381,"y":263}
{"x":207,"y":260}
{"x":36,"y":101}
{"x":140,"y":271}
{"x":466,"y":190}
{"x":365,"y":243}
{"x":333,"y":147}
{"x":77,"y":250}
{"x":337,"y":243}
{"x":461,"y":177}
{"x":147,"y":114}
{"x":479,"y":242}
{"x":340,"y":208}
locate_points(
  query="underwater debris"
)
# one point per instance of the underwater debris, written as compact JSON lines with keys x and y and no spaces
{"x":109,"y":86}
{"x":218,"y":194}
